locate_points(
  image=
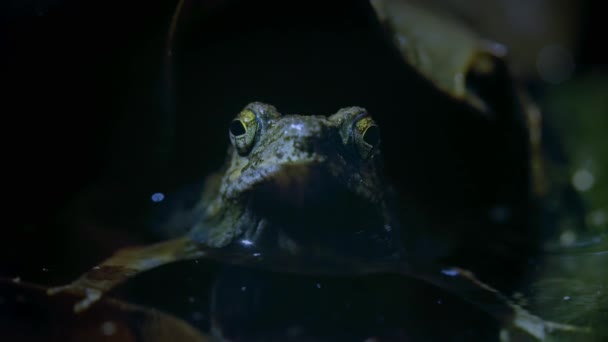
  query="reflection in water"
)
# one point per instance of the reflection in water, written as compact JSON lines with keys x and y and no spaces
{"x":253,"y":305}
{"x":245,"y":304}
{"x":573,"y":288}
{"x":28,"y":314}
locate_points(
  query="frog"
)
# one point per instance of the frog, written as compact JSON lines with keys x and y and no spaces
{"x":306,"y":194}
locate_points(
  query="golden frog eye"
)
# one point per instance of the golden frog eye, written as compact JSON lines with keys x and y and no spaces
{"x":237,"y":128}
{"x":359,"y":129}
{"x":371,"y":136}
{"x":243,"y":130}
{"x":366,"y":136}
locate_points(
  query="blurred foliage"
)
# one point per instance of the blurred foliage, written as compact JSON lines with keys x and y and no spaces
{"x":578,"y":111}
{"x":571,"y":286}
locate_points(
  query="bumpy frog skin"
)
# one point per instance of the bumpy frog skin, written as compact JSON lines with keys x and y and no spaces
{"x":298,"y":184}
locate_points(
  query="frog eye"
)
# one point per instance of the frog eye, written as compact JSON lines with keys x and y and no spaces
{"x":243,"y":130}
{"x":371,"y":136}
{"x":237,"y":128}
{"x":366,"y":136}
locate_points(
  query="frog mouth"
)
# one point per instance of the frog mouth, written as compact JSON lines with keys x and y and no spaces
{"x":302,"y":188}
{"x":299,"y":183}
{"x":306,"y":208}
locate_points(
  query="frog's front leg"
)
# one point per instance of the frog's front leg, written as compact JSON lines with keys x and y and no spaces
{"x":125,"y":264}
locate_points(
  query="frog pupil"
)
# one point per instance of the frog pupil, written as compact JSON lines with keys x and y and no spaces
{"x":237,"y":128}
{"x":372,"y":135}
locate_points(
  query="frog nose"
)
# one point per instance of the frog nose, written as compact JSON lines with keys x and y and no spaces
{"x":305,"y":138}
{"x":307,"y":144}
{"x":314,"y":143}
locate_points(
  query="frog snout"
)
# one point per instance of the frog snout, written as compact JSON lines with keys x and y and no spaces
{"x":307,"y":145}
{"x":298,"y":186}
{"x":297,"y":145}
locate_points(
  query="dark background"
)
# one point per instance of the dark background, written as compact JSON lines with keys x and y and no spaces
{"x":85,"y":109}
{"x":73,"y":70}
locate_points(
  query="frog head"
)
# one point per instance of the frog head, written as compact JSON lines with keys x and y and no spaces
{"x":297,"y":182}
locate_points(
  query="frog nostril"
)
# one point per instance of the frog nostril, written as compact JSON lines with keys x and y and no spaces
{"x":306,"y":145}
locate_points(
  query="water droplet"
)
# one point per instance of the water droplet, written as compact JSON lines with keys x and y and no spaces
{"x":44,"y":269}
{"x":157,"y":197}
{"x":450,"y":272}
{"x":246,"y":242}
{"x":318,"y":285}
{"x":566,"y":297}
{"x":16,"y":280}
{"x":108,"y":328}
{"x":582,"y":180}
{"x":257,"y":254}
{"x":388,"y":228}
{"x":243,"y":288}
